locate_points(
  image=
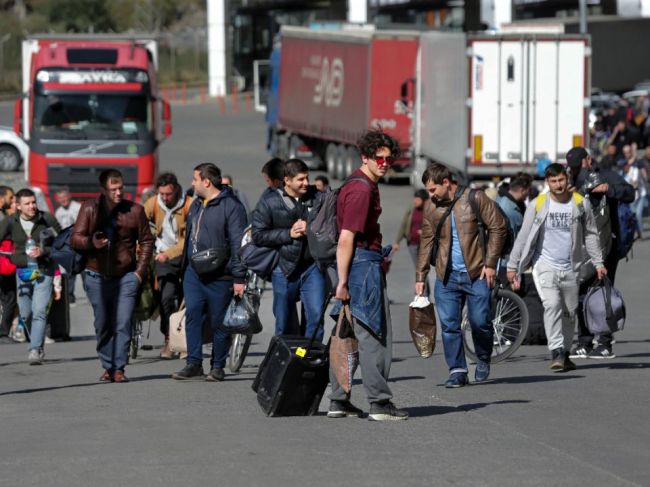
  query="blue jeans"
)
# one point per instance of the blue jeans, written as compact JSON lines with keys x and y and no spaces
{"x":638,"y":207}
{"x":450,"y":300}
{"x":113,"y":300}
{"x":214,"y":297}
{"x":33,"y":300}
{"x":308,"y":286}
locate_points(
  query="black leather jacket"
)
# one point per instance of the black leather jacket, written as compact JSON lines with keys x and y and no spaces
{"x":272,"y":219}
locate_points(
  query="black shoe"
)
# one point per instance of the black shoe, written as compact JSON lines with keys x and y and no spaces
{"x":386,"y":411}
{"x":602,"y":352}
{"x":557,"y":359}
{"x":568,"y":365}
{"x":343,"y":409}
{"x":482,"y":372}
{"x":189,"y":372}
{"x":215,"y":375}
{"x":581,"y":351}
{"x":456,"y":380}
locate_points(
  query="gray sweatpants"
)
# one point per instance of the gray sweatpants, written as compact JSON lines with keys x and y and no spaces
{"x":374,"y":362}
{"x":559,"y":292}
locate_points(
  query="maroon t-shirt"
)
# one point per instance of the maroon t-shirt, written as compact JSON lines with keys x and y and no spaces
{"x":358,"y":208}
{"x":416,"y":225}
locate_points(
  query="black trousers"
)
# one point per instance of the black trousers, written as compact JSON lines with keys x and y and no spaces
{"x":585,"y":337}
{"x":170,"y":291}
{"x":7,"y":303}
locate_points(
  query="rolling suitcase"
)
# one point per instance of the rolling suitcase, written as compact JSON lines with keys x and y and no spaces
{"x":293,"y":376}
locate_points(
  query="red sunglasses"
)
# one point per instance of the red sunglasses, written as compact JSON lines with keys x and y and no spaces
{"x":389,"y":160}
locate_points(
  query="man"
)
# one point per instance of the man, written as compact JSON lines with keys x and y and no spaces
{"x":217,"y":220}
{"x":636,"y":173}
{"x":558,"y":226}
{"x":411,"y":227}
{"x":114,"y":235}
{"x":513,"y":203}
{"x":322,"y":183}
{"x":273,"y":173}
{"x":280,"y":221}
{"x":66,"y":214}
{"x":8,"y":280}
{"x":227,"y":180}
{"x":605,"y":189}
{"x":32,"y":232}
{"x":622,"y":135}
{"x":361,"y":280}
{"x":167,"y":214}
{"x":466,"y":272}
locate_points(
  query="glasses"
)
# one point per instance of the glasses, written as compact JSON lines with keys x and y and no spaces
{"x":381,"y":161}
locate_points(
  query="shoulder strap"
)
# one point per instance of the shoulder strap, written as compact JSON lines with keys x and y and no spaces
{"x":356,"y":178}
{"x":539,"y":202}
{"x":481,"y":224}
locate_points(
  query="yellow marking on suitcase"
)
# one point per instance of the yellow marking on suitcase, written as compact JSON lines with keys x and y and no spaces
{"x":301,"y":352}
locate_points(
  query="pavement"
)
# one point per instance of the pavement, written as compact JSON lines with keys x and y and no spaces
{"x":527,"y":426}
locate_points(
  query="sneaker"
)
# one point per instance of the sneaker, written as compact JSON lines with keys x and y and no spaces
{"x":216,"y":375}
{"x":386,"y":411}
{"x":107,"y":376}
{"x":456,"y":380}
{"x":343,"y":409}
{"x":557,"y":359}
{"x":118,"y":376}
{"x":35,"y":357}
{"x":568,"y":365}
{"x":581,"y":351}
{"x":602,"y":352}
{"x":49,"y":340}
{"x":190,"y":372}
{"x":482,"y":372}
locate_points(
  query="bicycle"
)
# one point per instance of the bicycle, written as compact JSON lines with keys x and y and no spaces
{"x":509,"y":321}
{"x":242,"y":342}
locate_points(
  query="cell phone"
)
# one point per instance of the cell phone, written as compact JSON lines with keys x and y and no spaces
{"x":100,"y":235}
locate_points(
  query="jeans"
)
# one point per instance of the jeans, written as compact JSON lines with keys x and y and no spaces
{"x":113,"y":300}
{"x":450,"y":299}
{"x":33,"y":301}
{"x":212,"y":296}
{"x":638,"y":208}
{"x":558,"y":291}
{"x":309,"y":286}
{"x":7,"y":303}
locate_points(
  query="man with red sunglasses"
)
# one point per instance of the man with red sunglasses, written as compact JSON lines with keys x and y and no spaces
{"x":361,"y":280}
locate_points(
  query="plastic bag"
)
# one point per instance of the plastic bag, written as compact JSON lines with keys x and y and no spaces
{"x":344,"y":350}
{"x":241,"y":317}
{"x":422,"y":325}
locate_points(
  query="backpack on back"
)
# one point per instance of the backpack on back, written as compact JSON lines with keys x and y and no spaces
{"x":604,"y":308}
{"x":628,"y":226}
{"x":483,"y":232}
{"x":63,"y":254}
{"x":322,"y":229}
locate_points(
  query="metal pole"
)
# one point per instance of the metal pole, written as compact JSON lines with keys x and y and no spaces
{"x":583,"y":16}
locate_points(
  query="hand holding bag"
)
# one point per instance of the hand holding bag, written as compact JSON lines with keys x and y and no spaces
{"x":344,"y":349}
{"x":422,"y":325}
{"x":241,"y":317}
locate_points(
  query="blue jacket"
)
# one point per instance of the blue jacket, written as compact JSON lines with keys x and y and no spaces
{"x":366,"y":284}
{"x":223,"y":223}
{"x":515,"y":214}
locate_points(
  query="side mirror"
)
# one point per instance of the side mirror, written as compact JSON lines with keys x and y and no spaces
{"x":18,"y":117}
{"x":407,"y":91}
{"x":167,"y":119}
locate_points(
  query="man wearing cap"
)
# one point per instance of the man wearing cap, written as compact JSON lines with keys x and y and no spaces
{"x":604,"y":189}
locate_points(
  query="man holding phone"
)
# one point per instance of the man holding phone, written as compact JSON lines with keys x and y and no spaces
{"x":280,"y":221}
{"x":114,"y":235}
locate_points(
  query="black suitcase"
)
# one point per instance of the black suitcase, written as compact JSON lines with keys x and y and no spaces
{"x":293,"y":376}
{"x":58,"y":316}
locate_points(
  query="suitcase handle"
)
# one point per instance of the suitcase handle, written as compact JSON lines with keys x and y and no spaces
{"x":304,"y":352}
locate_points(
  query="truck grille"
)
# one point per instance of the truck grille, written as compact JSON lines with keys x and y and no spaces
{"x":83,"y":181}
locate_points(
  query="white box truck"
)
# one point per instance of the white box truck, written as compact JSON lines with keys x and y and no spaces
{"x":492,"y":105}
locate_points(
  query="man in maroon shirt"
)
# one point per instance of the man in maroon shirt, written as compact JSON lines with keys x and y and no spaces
{"x":361,"y":281}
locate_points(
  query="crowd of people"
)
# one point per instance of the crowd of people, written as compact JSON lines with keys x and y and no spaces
{"x":187,"y":243}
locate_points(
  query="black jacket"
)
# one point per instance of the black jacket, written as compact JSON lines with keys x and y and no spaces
{"x":10,"y":229}
{"x":223,"y":223}
{"x":272,"y":219}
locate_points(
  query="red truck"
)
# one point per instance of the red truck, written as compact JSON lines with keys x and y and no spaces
{"x":90,"y":103}
{"x":334,"y":85}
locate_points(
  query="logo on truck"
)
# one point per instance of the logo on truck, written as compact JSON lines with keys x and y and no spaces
{"x":329,"y":89}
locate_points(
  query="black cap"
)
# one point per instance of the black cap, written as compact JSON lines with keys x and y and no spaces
{"x":575,"y":156}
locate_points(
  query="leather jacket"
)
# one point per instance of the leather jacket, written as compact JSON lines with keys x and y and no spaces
{"x":131,"y":245}
{"x":467,"y":225}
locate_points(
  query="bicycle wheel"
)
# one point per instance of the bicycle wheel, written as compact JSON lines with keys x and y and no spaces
{"x":238,"y":351}
{"x":510,"y":324}
{"x":136,"y":339}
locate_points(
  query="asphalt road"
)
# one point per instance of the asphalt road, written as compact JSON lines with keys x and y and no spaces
{"x":527,"y":427}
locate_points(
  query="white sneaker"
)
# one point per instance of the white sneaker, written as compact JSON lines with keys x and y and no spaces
{"x":49,"y":340}
{"x":35,"y":356}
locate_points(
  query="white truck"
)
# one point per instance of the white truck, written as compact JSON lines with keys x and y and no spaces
{"x":489,"y":106}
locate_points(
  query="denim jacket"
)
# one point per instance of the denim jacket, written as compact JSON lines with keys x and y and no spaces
{"x":366,"y":285}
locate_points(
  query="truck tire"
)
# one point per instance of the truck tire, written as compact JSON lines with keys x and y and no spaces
{"x":341,"y":156}
{"x":351,"y":160}
{"x":330,"y":160}
{"x":9,"y":158}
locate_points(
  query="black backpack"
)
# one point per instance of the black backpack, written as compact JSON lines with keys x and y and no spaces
{"x":482,"y":230}
{"x":63,"y":254}
{"x":322,"y":230}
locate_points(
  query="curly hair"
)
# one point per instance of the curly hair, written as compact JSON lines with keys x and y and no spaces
{"x":373,"y":140}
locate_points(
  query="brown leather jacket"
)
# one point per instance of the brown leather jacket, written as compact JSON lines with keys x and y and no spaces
{"x":467,"y":225}
{"x":132,"y":236}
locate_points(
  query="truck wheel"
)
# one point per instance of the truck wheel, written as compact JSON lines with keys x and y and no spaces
{"x":351,"y":160}
{"x":9,"y":158}
{"x":331,"y":154}
{"x":341,"y":163}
